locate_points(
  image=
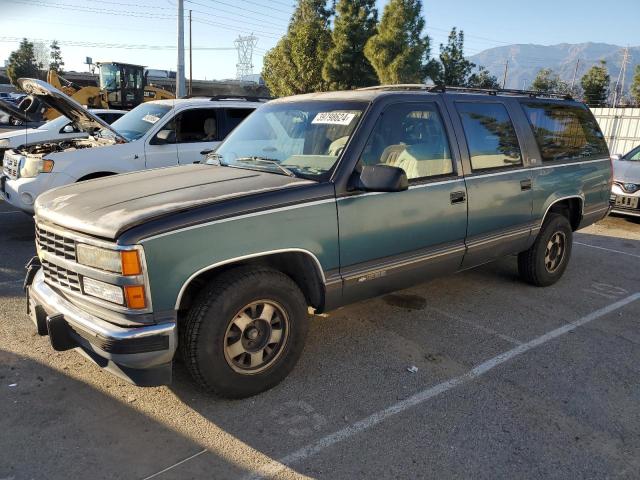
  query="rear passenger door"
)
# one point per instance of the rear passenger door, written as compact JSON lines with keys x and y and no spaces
{"x":389,"y":240}
{"x":497,"y":176}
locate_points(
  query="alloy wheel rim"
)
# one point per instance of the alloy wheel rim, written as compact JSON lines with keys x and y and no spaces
{"x":256,"y":337}
{"x":555,"y":252}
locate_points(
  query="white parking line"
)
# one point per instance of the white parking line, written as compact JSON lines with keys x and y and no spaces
{"x":274,"y":467}
{"x":607,"y":249}
{"x":7,"y":213}
{"x":488,"y":330}
{"x":11,"y":282}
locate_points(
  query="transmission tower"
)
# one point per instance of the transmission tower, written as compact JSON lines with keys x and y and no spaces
{"x":245,"y":45}
{"x":619,"y":91}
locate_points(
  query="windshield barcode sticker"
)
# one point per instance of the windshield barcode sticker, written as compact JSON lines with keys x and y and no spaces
{"x":334,"y":118}
{"x":150,"y":118}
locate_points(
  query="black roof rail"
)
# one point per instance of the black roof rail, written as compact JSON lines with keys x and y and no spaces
{"x":248,"y":98}
{"x":486,"y":91}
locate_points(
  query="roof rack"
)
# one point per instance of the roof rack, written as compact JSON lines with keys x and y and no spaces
{"x":486,"y":91}
{"x":248,"y":98}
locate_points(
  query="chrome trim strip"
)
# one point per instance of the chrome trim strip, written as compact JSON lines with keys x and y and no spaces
{"x":247,"y":257}
{"x":402,"y":263}
{"x":497,"y":237}
{"x":530,"y":169}
{"x":239,"y":217}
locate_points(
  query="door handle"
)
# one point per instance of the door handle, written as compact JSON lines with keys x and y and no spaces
{"x":525,"y":184}
{"x":458,"y":197}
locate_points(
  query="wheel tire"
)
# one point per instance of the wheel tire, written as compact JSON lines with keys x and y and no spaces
{"x":205,"y":334}
{"x":534,"y":264}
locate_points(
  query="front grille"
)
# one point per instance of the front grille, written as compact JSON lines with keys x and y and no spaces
{"x":56,"y":244}
{"x":11,"y":166}
{"x":61,"y":277}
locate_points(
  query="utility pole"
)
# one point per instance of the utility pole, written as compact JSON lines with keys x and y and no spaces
{"x":620,"y":82}
{"x":506,"y":70}
{"x":180,"y":73}
{"x":190,"y":58}
{"x":575,"y":74}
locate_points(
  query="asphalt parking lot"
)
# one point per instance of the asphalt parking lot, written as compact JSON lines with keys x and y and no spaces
{"x":512,"y":381}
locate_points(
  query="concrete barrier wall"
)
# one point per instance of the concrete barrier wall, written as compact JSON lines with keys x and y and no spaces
{"x":621,"y":127}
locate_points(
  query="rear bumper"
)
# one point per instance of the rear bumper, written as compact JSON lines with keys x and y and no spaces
{"x":141,"y":355}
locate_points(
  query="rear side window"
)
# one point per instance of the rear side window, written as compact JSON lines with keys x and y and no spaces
{"x":565,"y":132}
{"x":490,"y":135}
{"x":234,"y":117}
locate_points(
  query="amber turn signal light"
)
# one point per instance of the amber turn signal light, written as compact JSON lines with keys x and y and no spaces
{"x":130,"y":262}
{"x":135,"y":296}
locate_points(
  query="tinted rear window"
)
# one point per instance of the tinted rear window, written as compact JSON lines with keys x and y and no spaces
{"x":565,"y":131}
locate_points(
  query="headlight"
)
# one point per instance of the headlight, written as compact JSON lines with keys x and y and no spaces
{"x":105,"y":291}
{"x":30,"y":167}
{"x":126,"y":262}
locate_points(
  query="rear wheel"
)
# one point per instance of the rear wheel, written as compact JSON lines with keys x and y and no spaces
{"x":245,"y":333}
{"x":547,"y":259}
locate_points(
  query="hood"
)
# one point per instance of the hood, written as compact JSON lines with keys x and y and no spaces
{"x":20,"y":133}
{"x":67,"y":106}
{"x":13,"y":110}
{"x":626,"y":171}
{"x":108,"y":206}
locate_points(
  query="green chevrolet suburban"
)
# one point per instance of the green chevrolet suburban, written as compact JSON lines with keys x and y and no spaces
{"x":313,"y":202}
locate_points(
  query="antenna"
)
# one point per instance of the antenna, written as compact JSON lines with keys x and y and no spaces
{"x":245,"y":45}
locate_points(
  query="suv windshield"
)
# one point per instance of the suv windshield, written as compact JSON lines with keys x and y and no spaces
{"x":302,"y":138}
{"x":138,"y":121}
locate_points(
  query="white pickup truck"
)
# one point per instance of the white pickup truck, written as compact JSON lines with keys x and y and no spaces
{"x":155,"y":134}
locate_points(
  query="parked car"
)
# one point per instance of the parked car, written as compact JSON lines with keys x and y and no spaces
{"x":625,"y":194}
{"x":317,"y":201}
{"x":154,"y":134}
{"x":57,"y":130}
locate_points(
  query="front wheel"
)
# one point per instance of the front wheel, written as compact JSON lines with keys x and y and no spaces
{"x":547,"y":259}
{"x":245,"y":333}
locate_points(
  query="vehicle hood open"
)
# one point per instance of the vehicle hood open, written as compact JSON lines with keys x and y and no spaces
{"x":67,"y":106}
{"x":12,"y":110}
{"x":107,"y":207}
{"x":626,"y":171}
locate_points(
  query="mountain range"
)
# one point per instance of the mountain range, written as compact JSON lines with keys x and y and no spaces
{"x":525,"y":60}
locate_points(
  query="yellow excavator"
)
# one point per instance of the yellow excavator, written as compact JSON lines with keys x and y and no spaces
{"x":122,"y":86}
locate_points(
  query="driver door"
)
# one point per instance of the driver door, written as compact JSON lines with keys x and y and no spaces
{"x":390,"y":240}
{"x":161,"y":150}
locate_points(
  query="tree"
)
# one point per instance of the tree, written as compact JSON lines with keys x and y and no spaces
{"x":346,"y":66}
{"x":548,"y":81}
{"x":294,"y":65}
{"x":22,"y":62}
{"x":483,"y":79}
{"x":56,"y":63}
{"x":635,"y":86}
{"x":399,"y":51}
{"x":454,"y":69}
{"x":595,"y":84}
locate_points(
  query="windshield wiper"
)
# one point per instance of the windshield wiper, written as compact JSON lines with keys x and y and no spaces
{"x":269,"y":161}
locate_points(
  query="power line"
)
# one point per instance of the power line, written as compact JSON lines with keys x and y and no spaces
{"x":262,"y":14}
{"x":236,"y":29}
{"x":126,"y":46}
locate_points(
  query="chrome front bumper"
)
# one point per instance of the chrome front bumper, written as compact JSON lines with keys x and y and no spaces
{"x":141,"y":355}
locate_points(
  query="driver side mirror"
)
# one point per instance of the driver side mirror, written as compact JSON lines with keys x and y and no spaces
{"x":382,"y":178}
{"x":165,"y":136}
{"x":617,"y":156}
{"x":68,"y":129}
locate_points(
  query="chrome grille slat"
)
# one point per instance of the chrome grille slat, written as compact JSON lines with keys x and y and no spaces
{"x":61,"y":276}
{"x":55,"y":243}
{"x":11,"y":166}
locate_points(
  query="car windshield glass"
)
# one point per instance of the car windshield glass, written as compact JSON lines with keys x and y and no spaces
{"x":300,"y":138}
{"x":138,"y":121}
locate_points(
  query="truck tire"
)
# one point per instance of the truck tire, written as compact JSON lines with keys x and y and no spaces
{"x":245,"y":333}
{"x":547,"y":259}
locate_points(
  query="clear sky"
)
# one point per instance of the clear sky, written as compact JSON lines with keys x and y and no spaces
{"x":144,"y":31}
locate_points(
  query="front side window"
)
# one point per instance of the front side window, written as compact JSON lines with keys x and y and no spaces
{"x":234,"y":117}
{"x":634,"y":156}
{"x":565,"y":132}
{"x":306,"y":138}
{"x":137,"y":122}
{"x":411,"y":137}
{"x":197,"y":125}
{"x":490,"y":135}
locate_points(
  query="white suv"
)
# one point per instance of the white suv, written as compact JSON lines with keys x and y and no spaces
{"x":154,"y":134}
